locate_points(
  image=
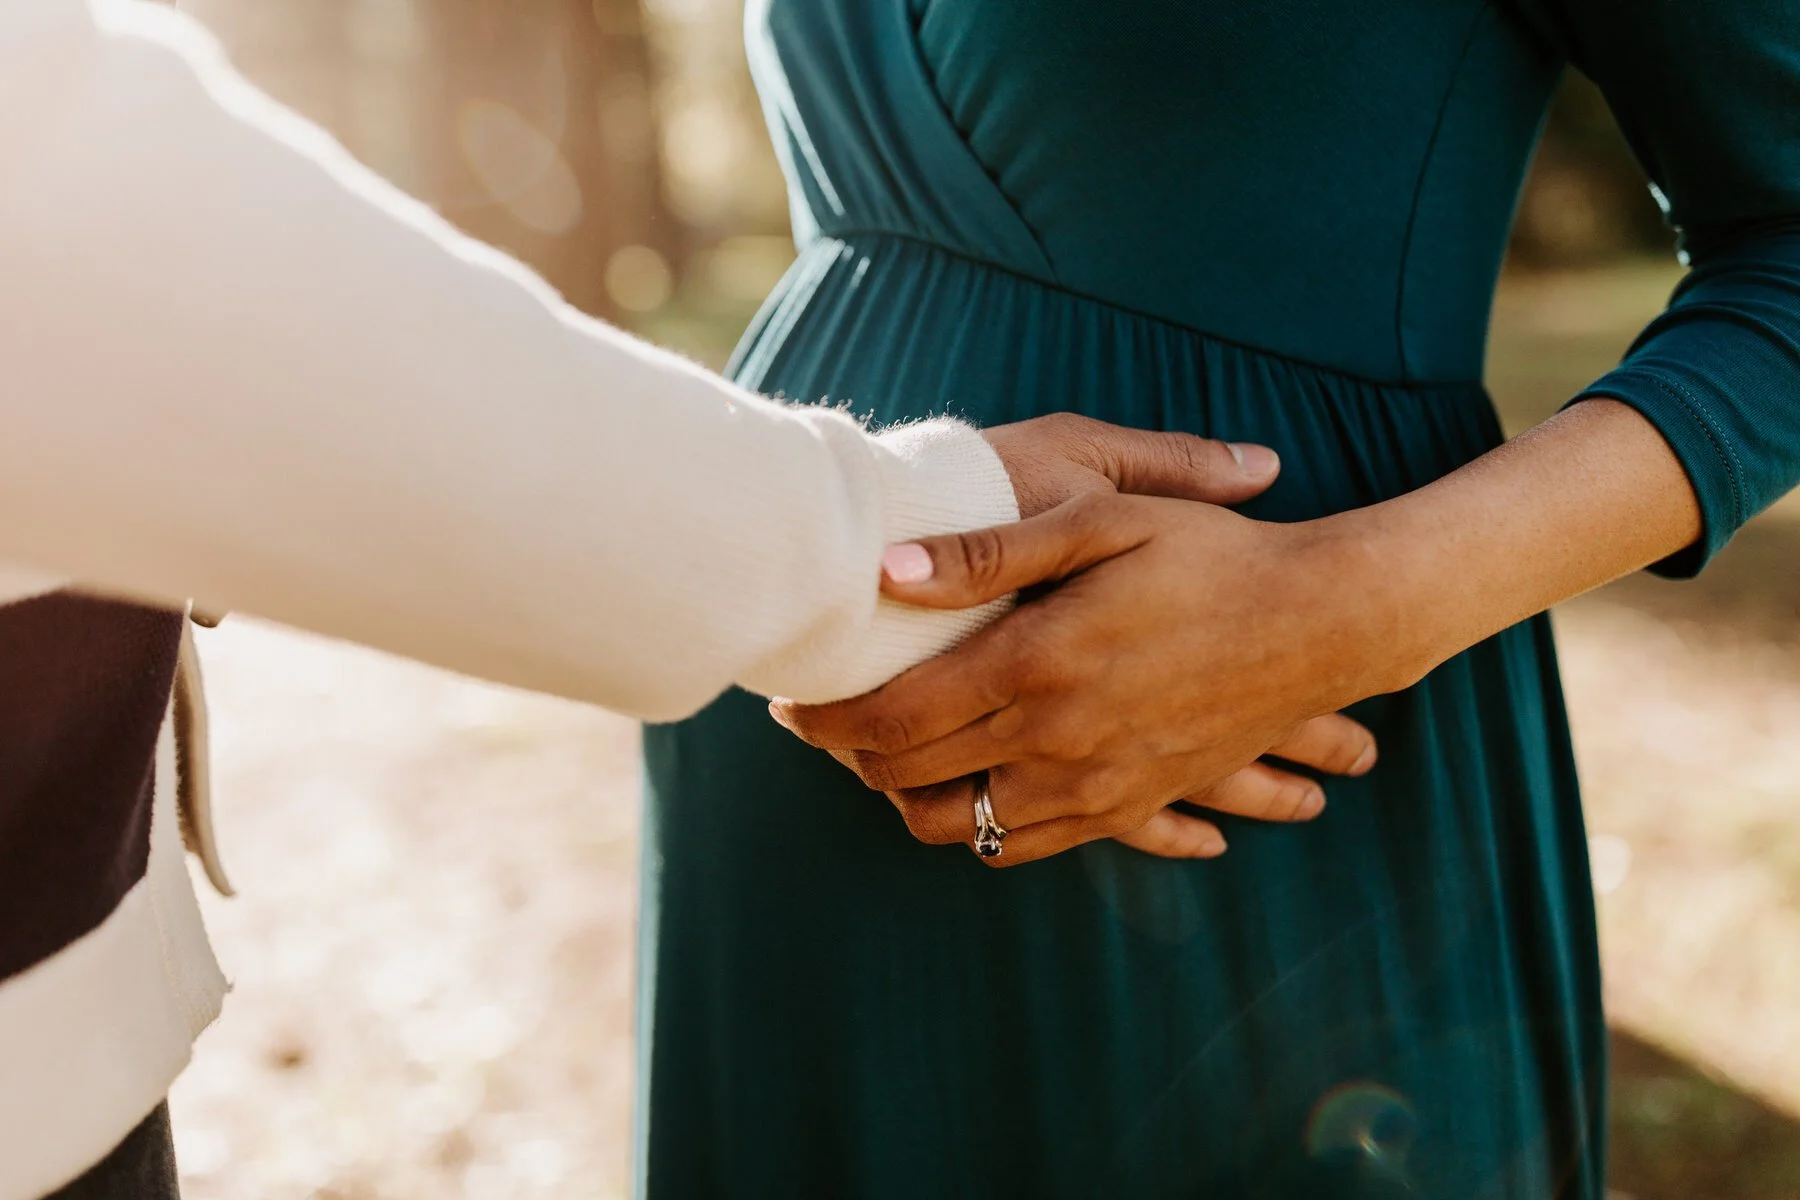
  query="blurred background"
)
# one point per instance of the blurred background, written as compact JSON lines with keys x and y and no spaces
{"x":433,"y":949}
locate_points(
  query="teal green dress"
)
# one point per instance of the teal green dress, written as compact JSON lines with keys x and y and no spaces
{"x":1276,"y":221}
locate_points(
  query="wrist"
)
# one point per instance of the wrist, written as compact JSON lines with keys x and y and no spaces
{"x":1376,"y":633}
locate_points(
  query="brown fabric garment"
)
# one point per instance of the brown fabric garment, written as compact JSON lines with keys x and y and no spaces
{"x":84,"y":686}
{"x":142,"y":1167}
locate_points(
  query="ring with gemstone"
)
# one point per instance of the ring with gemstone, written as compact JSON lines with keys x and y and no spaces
{"x":988,"y":832}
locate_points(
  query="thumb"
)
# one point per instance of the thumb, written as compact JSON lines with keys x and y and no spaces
{"x":961,"y":570}
{"x":1181,"y":465}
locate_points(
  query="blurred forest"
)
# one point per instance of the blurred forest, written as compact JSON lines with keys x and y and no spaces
{"x":433,"y":949}
{"x":618,"y":147}
{"x":615,"y":145}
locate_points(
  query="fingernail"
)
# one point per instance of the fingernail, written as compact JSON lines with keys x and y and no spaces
{"x":907,"y":563}
{"x":1212,"y":846}
{"x":775,"y":706}
{"x":1257,"y":462}
{"x":1313,"y":805}
{"x":1366,"y":762}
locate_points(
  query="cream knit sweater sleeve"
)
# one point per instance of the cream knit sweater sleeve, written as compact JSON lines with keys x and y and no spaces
{"x":236,"y":366}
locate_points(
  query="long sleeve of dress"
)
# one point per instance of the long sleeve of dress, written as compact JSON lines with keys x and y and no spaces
{"x":236,"y":366}
{"x":1708,"y":94}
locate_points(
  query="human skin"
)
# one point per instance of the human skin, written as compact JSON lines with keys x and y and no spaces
{"x":1139,"y":680}
{"x":1055,"y":458}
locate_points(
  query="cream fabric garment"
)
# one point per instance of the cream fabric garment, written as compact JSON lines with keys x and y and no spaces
{"x":236,"y":366}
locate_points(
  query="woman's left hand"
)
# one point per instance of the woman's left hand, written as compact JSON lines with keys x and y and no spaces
{"x":1185,"y":642}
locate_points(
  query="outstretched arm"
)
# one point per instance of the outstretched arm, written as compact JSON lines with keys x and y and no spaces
{"x":236,"y":366}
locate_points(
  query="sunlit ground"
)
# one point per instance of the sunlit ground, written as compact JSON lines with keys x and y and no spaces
{"x":432,"y":948}
{"x":1685,"y":700}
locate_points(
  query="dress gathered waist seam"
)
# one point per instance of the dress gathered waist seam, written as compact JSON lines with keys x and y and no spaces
{"x":826,"y":239}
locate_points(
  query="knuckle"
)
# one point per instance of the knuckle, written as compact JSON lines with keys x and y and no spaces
{"x":1016,"y":855}
{"x":799,"y":722}
{"x":1011,"y":658}
{"x":1008,"y":722}
{"x":1197,"y":455}
{"x":983,"y":555}
{"x":1070,"y":743}
{"x":886,"y":733}
{"x":1059,"y":749}
{"x":1121,"y":821}
{"x":918,"y":823}
{"x":1292,"y":800}
{"x":925,"y":822}
{"x":1329,"y":743}
{"x":874,"y":769}
{"x":1043,"y":669}
{"x":1095,"y":796}
{"x":1344,"y":754}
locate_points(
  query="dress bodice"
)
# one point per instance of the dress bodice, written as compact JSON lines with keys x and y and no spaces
{"x":1329,"y":180}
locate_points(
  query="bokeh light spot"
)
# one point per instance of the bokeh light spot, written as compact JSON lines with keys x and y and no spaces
{"x":1609,"y":859}
{"x":519,"y":167}
{"x":638,"y":279}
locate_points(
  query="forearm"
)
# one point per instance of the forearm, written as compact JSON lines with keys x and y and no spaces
{"x":1588,"y":496}
{"x":240,"y":368}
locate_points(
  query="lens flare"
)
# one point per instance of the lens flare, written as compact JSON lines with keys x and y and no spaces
{"x":1364,"y":1121}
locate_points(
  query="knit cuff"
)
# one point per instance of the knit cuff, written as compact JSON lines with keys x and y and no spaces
{"x":942,"y":476}
{"x":937,"y":476}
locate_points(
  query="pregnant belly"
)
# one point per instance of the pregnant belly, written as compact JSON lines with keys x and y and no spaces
{"x":1396,"y":999}
{"x":898,"y":329}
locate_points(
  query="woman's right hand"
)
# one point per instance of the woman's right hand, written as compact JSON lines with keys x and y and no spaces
{"x":1185,"y":643}
{"x":1332,"y":744}
{"x":1263,"y":791}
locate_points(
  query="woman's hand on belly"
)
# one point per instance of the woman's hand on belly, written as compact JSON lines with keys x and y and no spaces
{"x":1188,"y":640}
{"x":1183,"y":644}
{"x":1053,"y":458}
